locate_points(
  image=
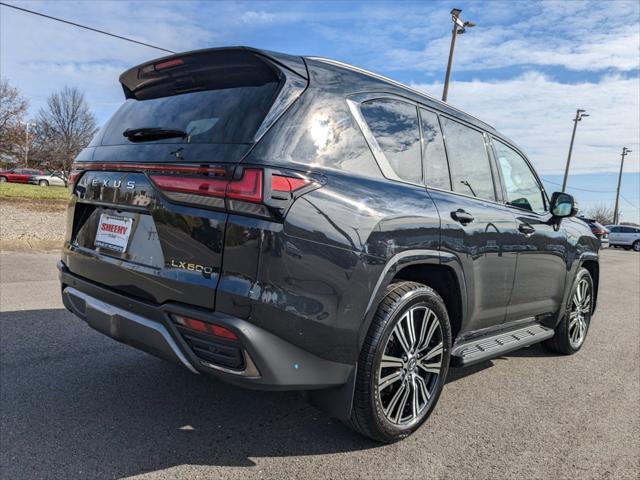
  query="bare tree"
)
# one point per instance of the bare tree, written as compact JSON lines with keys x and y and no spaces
{"x":601,"y":213}
{"x":13,"y":108}
{"x":63,"y":128}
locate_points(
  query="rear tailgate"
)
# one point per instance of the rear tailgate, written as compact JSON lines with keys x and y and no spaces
{"x":148,"y":216}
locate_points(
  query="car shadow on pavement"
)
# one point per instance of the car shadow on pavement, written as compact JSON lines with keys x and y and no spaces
{"x":458,"y":373}
{"x":534,"y":351}
{"x":75,"y":403}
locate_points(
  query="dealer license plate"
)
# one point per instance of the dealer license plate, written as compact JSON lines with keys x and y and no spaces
{"x":113,"y":232}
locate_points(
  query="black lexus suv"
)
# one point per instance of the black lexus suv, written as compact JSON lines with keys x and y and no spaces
{"x":296,"y":223}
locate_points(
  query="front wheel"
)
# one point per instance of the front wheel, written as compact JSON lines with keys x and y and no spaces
{"x":572,"y":330}
{"x":3,"y":179}
{"x":403,"y":364}
{"x":636,"y":246}
{"x":43,"y":183}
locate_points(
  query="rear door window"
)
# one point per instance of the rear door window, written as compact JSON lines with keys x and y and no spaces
{"x":434,"y":158}
{"x":394,"y":124}
{"x":468,"y":160}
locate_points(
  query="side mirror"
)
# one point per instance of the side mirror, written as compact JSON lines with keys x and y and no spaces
{"x":563,"y":205}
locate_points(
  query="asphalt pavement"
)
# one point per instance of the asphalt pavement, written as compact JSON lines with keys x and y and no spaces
{"x":76,"y":404}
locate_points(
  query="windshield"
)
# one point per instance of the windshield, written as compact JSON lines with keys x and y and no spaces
{"x":225,"y":115}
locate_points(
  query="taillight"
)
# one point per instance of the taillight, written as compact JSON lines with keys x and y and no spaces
{"x":196,"y":185}
{"x":280,"y":183}
{"x":252,"y":192}
{"x":248,"y":188}
{"x":74,"y":176}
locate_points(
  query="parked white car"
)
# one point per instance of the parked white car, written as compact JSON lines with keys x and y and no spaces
{"x":54,"y":179}
{"x":625,"y":236}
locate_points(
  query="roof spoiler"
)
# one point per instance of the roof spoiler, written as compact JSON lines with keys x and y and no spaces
{"x":208,"y":68}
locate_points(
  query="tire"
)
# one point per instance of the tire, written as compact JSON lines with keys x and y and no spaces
{"x":373,"y":405}
{"x":3,"y":179}
{"x":636,"y":246}
{"x":566,"y":341}
{"x":43,"y":183}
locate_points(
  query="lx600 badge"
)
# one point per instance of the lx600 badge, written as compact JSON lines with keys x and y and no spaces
{"x":192,"y":267}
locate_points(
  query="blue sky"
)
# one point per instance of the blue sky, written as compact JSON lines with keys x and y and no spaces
{"x":524,"y":68}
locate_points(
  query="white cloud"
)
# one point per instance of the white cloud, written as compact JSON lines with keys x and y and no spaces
{"x":536,"y":112}
{"x":254,"y":17}
{"x":497,"y":47}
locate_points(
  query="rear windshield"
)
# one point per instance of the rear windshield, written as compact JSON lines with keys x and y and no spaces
{"x":224,"y":115}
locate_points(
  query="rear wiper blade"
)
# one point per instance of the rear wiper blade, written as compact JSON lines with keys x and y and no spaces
{"x":152,"y":133}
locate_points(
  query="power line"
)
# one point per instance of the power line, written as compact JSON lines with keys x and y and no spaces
{"x":634,"y":206}
{"x":594,"y":191}
{"x":85,"y":27}
{"x":581,"y":189}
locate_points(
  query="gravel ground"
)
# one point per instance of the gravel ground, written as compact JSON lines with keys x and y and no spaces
{"x":76,"y":404}
{"x":31,"y":225}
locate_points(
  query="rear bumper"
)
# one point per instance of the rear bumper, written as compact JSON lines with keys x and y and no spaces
{"x":271,"y":363}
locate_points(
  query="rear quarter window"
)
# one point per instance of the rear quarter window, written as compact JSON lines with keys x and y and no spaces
{"x":394,"y":124}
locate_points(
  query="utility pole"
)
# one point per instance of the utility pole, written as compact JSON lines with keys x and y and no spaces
{"x":459,"y":27}
{"x":625,"y":150}
{"x":579,"y":115}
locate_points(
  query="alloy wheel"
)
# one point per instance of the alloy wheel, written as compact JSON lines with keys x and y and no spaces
{"x":410,"y":366}
{"x":580,"y":313}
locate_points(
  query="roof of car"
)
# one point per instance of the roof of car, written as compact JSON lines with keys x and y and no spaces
{"x":296,"y":64}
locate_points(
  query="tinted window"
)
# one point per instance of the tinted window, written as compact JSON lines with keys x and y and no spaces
{"x":627,"y":230}
{"x":614,"y":229}
{"x":434,"y":158}
{"x":523,"y":190}
{"x":394,"y":124}
{"x":225,"y":115}
{"x":468,"y":160}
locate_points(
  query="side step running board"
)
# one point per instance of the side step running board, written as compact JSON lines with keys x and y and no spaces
{"x":484,"y":348}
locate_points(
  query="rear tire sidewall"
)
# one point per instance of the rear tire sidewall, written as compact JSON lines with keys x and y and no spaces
{"x":3,"y":179}
{"x":420,"y":296}
{"x":43,"y":183}
{"x":636,"y":246}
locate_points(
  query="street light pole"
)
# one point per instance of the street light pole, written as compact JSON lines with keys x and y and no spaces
{"x":579,"y":115}
{"x":26,"y":145}
{"x":26,"y":142}
{"x":459,"y":27}
{"x":625,"y":150}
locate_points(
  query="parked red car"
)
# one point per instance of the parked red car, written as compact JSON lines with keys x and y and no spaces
{"x":19,"y":175}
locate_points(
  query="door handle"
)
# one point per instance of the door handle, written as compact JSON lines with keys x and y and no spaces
{"x":462,"y":216}
{"x":527,"y":229}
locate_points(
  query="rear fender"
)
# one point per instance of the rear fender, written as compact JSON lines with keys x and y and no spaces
{"x":397,"y":263}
